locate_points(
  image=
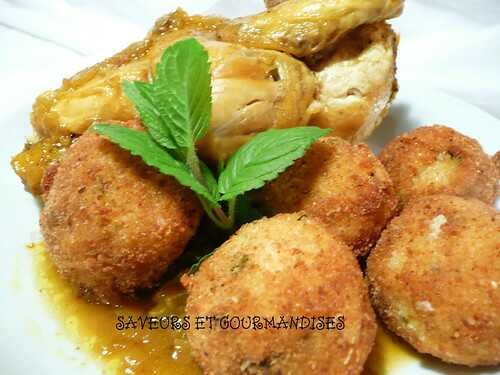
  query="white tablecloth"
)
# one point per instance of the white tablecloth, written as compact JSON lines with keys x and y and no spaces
{"x":451,"y":45}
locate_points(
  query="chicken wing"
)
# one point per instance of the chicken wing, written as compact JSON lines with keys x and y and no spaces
{"x":95,"y":93}
{"x":305,"y":27}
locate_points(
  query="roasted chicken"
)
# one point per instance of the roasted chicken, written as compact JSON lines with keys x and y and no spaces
{"x":253,"y":89}
{"x":356,"y":83}
{"x":305,"y":27}
{"x":344,"y":82}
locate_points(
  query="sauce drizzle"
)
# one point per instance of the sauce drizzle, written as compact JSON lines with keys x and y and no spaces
{"x":93,"y":327}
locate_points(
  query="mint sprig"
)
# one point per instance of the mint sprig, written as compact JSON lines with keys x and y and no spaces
{"x":176,"y":108}
{"x":142,"y":144}
{"x":264,"y":157}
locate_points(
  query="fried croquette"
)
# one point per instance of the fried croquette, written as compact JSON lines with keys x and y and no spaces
{"x":112,"y":224}
{"x":436,"y":159}
{"x":496,"y":160}
{"x":285,"y":266}
{"x":435,"y":278}
{"x":343,"y":185}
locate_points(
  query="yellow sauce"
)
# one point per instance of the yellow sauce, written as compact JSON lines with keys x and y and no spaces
{"x":32,"y":163}
{"x":388,"y":355}
{"x":154,"y":352}
{"x":93,"y":327}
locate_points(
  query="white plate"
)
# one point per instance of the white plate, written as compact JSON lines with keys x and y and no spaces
{"x":30,"y":339}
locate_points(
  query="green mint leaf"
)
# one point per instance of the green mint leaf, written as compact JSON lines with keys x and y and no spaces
{"x":141,"y":144}
{"x":182,"y":91}
{"x":264,"y":157}
{"x":221,"y":164}
{"x":140,"y":93}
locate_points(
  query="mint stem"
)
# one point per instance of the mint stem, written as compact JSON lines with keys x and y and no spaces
{"x":227,"y":223}
{"x":217,"y":215}
{"x":194,"y":163}
{"x":232,"y":209}
{"x":210,"y":213}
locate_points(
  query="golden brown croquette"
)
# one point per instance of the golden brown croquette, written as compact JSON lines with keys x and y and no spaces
{"x":437,"y":159}
{"x":435,"y":278}
{"x":112,"y":224}
{"x":288,"y":265}
{"x":343,"y":185}
{"x":496,"y":160}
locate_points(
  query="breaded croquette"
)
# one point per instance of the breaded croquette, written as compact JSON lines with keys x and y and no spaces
{"x":343,"y":185}
{"x":496,"y":161}
{"x":435,"y":278}
{"x":112,"y":224}
{"x":286,"y":266}
{"x":437,"y":159}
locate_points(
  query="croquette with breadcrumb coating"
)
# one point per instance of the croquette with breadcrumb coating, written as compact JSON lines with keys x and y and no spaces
{"x":112,"y":224}
{"x":343,"y":185}
{"x":435,"y":278}
{"x":439,"y":160}
{"x":496,"y":161}
{"x":288,"y":265}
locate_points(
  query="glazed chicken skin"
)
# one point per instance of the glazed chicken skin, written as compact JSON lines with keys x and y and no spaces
{"x":305,"y":27}
{"x":278,"y":89}
{"x":272,"y":3}
{"x":349,"y":88}
{"x":356,"y":80}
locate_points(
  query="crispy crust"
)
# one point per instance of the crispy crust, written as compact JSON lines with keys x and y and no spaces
{"x":343,"y":185}
{"x":112,"y":224}
{"x":496,"y":160}
{"x":285,"y":265}
{"x":435,"y":278}
{"x":437,"y":159}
